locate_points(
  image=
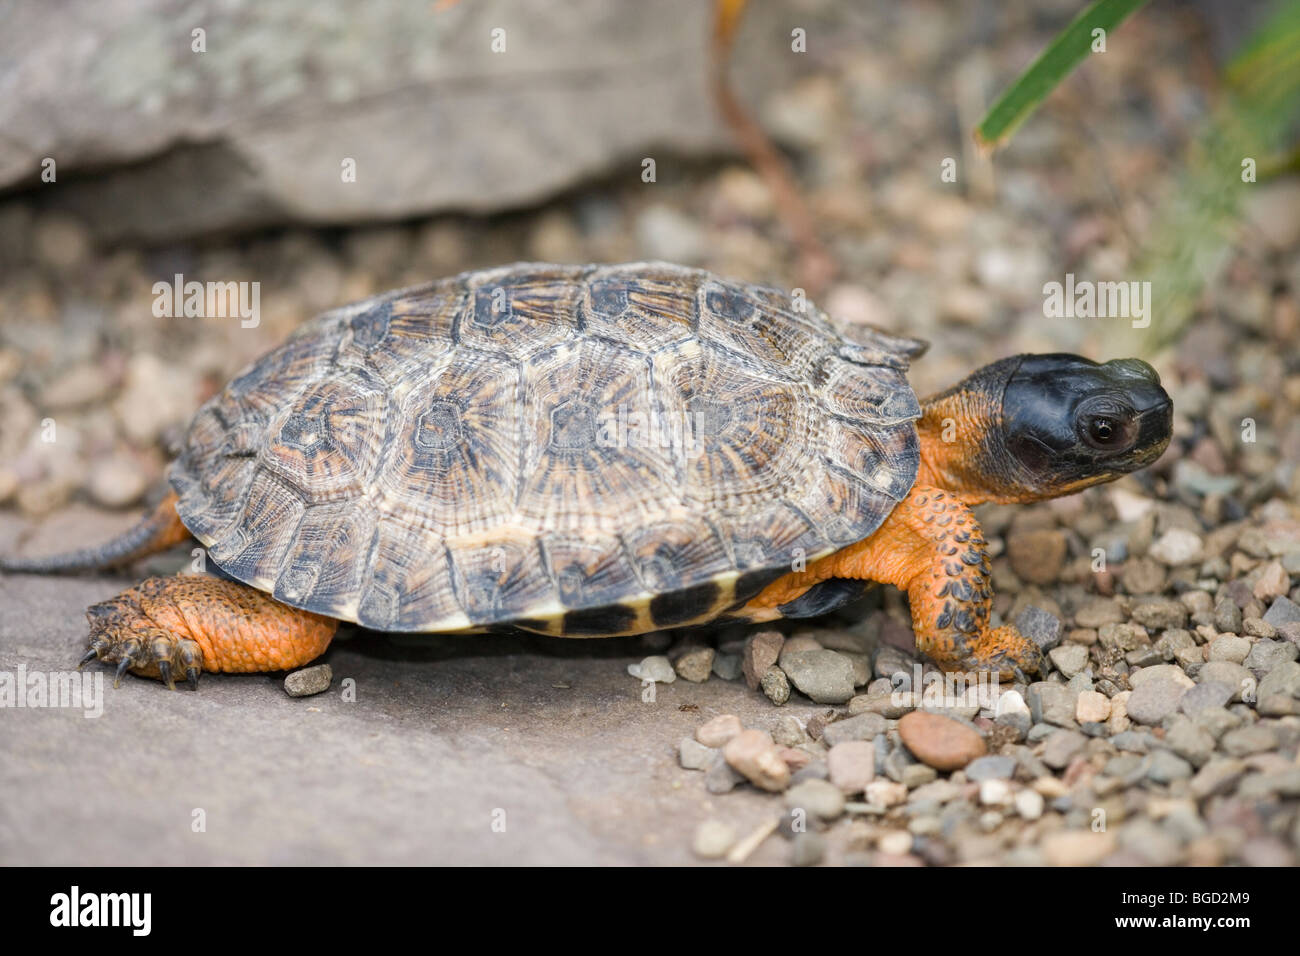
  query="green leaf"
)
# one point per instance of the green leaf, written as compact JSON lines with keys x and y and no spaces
{"x":1052,"y":66}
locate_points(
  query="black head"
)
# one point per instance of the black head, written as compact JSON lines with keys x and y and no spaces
{"x":1068,"y":422}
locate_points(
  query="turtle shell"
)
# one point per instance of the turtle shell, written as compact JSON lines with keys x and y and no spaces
{"x":572,"y":450}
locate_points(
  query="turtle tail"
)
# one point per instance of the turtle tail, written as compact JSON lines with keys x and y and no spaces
{"x":157,"y":531}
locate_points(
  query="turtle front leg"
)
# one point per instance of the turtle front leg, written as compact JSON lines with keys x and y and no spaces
{"x":167,"y":628}
{"x":949,"y":587}
{"x":932,"y":547}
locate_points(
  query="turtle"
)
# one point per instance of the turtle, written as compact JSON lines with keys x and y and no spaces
{"x":599,"y":450}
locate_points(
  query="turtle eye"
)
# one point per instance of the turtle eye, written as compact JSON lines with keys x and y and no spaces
{"x":1102,"y":430}
{"x":1107,"y":426}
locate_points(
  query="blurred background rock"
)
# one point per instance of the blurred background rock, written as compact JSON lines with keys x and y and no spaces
{"x":225,"y":166}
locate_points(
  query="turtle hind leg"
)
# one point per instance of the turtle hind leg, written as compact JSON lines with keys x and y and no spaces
{"x":175,"y":628}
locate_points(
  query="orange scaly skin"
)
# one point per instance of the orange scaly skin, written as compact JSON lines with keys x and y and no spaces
{"x":166,"y":627}
{"x":930,"y":546}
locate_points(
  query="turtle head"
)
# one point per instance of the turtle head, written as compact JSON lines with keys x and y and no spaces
{"x":1032,"y":427}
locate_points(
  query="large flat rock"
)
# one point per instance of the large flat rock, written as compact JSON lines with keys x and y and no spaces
{"x":154,"y":141}
{"x":443,"y":733}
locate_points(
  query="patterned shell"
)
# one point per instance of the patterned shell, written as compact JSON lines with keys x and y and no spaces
{"x":571,"y":450}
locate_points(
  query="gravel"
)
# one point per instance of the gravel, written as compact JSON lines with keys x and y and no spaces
{"x":1194,"y":744}
{"x":789,"y":732}
{"x":1248,"y":740}
{"x":1061,"y":747}
{"x":1091,"y":707}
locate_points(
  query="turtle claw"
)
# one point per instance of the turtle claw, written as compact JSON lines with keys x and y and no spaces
{"x":144,"y":651}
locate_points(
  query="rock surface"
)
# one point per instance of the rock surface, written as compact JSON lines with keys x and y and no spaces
{"x":286,"y":92}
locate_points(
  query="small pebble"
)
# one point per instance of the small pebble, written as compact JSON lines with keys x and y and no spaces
{"x":808,"y":849}
{"x":721,"y":777}
{"x":991,"y":768}
{"x":308,"y":681}
{"x":995,"y":793}
{"x":1077,"y":847}
{"x":717,"y":731}
{"x":825,"y":676}
{"x":754,"y":755}
{"x":761,"y":651}
{"x":1040,"y":626}
{"x":695,"y":664}
{"x":656,"y":668}
{"x":819,"y":798}
{"x":693,"y":755}
{"x":1091,"y":707}
{"x":1209,"y":694}
{"x":713,"y":839}
{"x":852,"y":765}
{"x":940,"y":742}
{"x":861,"y":727}
{"x":1229,"y":647}
{"x":895,"y":842}
{"x":775,"y":686}
{"x":1029,"y":804}
{"x":1177,"y":546}
{"x":1154,"y":700}
{"x":789,"y":733}
{"x":727,"y":666}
